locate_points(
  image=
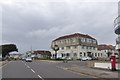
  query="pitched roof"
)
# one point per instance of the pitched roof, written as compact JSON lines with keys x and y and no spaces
{"x":74,"y":35}
{"x":42,"y":52}
{"x":106,"y":47}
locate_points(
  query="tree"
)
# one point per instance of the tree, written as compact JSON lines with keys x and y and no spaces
{"x":5,"y":49}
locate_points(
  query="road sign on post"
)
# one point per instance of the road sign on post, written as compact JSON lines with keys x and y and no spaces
{"x":55,"y":48}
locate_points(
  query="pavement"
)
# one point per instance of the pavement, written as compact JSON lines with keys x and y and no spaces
{"x":82,"y":68}
{"x":3,"y":63}
{"x":97,"y":73}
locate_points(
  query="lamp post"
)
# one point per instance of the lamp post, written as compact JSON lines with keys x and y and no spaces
{"x":55,"y":48}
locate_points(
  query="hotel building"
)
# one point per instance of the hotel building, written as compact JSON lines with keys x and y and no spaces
{"x":75,"y":46}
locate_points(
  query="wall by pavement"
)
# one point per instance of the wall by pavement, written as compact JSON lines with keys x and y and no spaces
{"x":105,"y":65}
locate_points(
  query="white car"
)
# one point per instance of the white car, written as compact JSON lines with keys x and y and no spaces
{"x":28,"y":59}
{"x":67,"y":58}
{"x":85,"y":58}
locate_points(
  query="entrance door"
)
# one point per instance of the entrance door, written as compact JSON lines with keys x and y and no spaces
{"x":89,"y":54}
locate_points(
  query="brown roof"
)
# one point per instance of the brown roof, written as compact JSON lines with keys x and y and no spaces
{"x":106,"y":47}
{"x":74,"y":35}
{"x":42,"y":52}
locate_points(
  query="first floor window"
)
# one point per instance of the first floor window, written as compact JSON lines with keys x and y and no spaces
{"x":95,"y":54}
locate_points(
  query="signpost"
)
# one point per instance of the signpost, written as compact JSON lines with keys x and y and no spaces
{"x":55,"y":48}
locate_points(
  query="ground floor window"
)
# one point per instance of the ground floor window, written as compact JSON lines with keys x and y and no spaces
{"x":84,"y":54}
{"x":95,"y":54}
{"x":75,"y":54}
{"x":67,"y":54}
{"x":62,"y":54}
{"x":80,"y":54}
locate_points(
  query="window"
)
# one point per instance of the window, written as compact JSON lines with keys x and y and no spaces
{"x":67,"y":54}
{"x":90,"y":47}
{"x":74,"y":39}
{"x":82,"y":39}
{"x":87,"y":47}
{"x":75,"y":54}
{"x":101,"y":54}
{"x":80,"y":54}
{"x":71,"y":40}
{"x":65,"y":41}
{"x":84,"y":54}
{"x":98,"y":54}
{"x":93,"y":48}
{"x":62,"y":48}
{"x":95,"y":54}
{"x":62,"y":54}
{"x":83,"y":47}
{"x":74,"y":47}
{"x":68,"y":47}
{"x":94,"y":42}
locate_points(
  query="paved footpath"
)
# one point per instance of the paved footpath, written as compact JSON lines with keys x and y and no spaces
{"x":3,"y":63}
{"x":94,"y":72}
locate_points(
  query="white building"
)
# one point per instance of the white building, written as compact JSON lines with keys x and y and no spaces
{"x":75,"y":46}
{"x":106,"y":50}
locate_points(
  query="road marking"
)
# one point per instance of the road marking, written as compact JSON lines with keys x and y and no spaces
{"x":32,"y":70}
{"x":40,"y":77}
{"x":28,"y":66}
{"x":25,"y":64}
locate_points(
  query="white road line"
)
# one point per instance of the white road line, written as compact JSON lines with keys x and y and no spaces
{"x":28,"y":66}
{"x":32,"y":70}
{"x":40,"y":77}
{"x":25,"y":64}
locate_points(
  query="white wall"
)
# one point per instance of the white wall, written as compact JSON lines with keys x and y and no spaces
{"x":105,"y":65}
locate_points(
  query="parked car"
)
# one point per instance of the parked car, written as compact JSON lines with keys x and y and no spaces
{"x":85,"y":58}
{"x":94,"y":58}
{"x":28,"y":59}
{"x":23,"y":59}
{"x":67,"y":58}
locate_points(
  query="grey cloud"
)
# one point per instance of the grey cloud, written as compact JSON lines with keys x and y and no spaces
{"x":38,"y":23}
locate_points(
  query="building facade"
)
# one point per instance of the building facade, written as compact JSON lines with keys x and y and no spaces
{"x":117,"y":28}
{"x":75,"y":46}
{"x":40,"y":54}
{"x":106,"y":50}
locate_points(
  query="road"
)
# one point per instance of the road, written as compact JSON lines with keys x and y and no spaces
{"x":40,"y":70}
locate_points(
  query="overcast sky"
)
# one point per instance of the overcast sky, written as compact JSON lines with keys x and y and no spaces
{"x":36,"y":23}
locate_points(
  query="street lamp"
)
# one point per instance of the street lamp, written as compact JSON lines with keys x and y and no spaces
{"x":55,"y":48}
